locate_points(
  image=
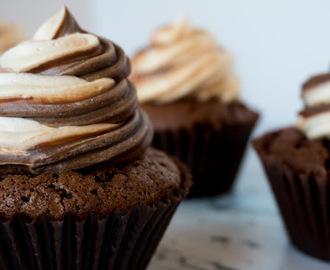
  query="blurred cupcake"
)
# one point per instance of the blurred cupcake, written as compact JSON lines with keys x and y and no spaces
{"x":186,"y":84}
{"x":296,"y":160}
{"x":80,"y":187}
{"x":10,"y":35}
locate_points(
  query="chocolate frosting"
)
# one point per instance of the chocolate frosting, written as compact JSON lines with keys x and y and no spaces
{"x":315,"y":81}
{"x":312,"y":111}
{"x":95,"y":100}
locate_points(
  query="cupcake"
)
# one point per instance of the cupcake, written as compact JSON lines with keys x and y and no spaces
{"x":80,"y":186}
{"x":186,"y":84}
{"x":296,"y":161}
{"x":10,"y":35}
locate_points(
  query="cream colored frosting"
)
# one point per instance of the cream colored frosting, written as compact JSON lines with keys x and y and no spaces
{"x":184,"y":62}
{"x":32,"y":54}
{"x":49,"y":29}
{"x":50,"y":89}
{"x":18,"y":134}
{"x":314,"y":120}
{"x":10,"y":35}
{"x":314,"y":127}
{"x":320,"y":94}
{"x":66,"y":102}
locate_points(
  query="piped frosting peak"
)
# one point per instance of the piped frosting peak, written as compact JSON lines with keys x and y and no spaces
{"x":66,"y":102}
{"x":314,"y":119}
{"x":181,"y":62}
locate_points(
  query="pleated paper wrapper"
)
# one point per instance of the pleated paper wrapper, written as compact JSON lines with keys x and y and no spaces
{"x":119,"y":241}
{"x":304,"y":202}
{"x":213,"y":156}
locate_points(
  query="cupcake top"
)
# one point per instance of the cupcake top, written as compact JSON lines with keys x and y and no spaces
{"x":10,"y":35}
{"x":99,"y":189}
{"x":184,"y":62}
{"x":66,"y":102}
{"x":314,"y":119}
{"x":303,"y":147}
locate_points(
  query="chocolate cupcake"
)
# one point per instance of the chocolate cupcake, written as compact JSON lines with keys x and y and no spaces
{"x":80,"y":187}
{"x":296,"y":160}
{"x":187,"y":85}
{"x":10,"y":35}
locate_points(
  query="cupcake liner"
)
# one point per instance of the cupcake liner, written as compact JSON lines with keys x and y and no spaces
{"x":212,"y":155}
{"x":304,"y":203}
{"x":119,"y":241}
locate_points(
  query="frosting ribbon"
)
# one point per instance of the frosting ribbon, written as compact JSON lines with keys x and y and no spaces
{"x":314,"y":119}
{"x":184,"y":62}
{"x":66,"y":102}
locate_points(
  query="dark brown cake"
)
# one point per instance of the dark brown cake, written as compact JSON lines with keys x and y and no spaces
{"x":104,"y":217}
{"x":150,"y":178}
{"x":298,"y":172}
{"x":210,"y":137}
{"x":293,"y":149}
{"x":296,"y":160}
{"x":188,"y":113}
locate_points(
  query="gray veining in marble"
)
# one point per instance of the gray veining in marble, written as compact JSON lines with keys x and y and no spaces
{"x":241,"y":231}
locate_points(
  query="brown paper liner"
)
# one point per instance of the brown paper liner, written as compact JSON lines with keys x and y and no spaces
{"x":119,"y":241}
{"x":304,"y":203}
{"x":213,"y":156}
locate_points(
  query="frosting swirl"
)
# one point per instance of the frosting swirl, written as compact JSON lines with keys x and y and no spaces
{"x":184,"y":62}
{"x":314,"y":119}
{"x":66,"y":102}
{"x":10,"y":35}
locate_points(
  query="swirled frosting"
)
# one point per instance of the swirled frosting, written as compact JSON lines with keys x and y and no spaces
{"x":184,"y":62}
{"x":10,"y":35}
{"x":66,"y":102}
{"x":314,"y":119}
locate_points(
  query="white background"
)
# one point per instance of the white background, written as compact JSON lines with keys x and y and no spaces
{"x":277,"y":44}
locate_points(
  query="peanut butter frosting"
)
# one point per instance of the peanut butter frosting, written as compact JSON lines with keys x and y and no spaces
{"x":66,"y":102}
{"x":181,"y":62}
{"x":10,"y":35}
{"x":314,"y":119}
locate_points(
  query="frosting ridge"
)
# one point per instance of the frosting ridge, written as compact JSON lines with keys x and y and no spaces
{"x":184,"y":62}
{"x":66,"y":102}
{"x":314,"y":119}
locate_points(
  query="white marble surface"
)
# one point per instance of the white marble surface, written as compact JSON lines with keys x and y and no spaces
{"x":242,"y":231}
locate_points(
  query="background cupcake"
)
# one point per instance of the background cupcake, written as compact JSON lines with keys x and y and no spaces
{"x":187,"y":85}
{"x":80,"y":187}
{"x":296,"y":160}
{"x":10,"y":35}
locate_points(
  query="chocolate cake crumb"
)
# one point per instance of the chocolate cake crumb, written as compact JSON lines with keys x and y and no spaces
{"x":189,"y":112}
{"x":290,"y":146}
{"x":97,"y":190}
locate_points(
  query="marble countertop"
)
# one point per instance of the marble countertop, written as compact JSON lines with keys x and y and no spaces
{"x":240,"y":231}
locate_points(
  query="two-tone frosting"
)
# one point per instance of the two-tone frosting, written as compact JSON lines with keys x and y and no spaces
{"x":181,"y":62}
{"x":66,"y":102}
{"x":314,"y":119}
{"x":10,"y":35}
